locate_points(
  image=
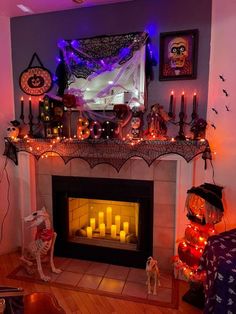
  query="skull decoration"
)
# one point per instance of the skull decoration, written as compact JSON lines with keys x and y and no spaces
{"x":178,"y":52}
{"x":136,"y":122}
{"x":13,"y":130}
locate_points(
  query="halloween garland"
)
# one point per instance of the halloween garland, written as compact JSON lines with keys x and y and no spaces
{"x":35,"y":80}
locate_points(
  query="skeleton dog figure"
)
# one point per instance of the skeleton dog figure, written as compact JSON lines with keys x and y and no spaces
{"x":43,"y":243}
{"x":153,"y":274}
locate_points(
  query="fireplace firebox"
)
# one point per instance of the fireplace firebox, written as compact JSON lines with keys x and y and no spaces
{"x":106,"y":220}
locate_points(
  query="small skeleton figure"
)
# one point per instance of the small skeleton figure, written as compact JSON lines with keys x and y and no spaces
{"x":136,"y":122}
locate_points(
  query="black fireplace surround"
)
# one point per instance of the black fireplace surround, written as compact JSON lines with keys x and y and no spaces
{"x":139,"y":191}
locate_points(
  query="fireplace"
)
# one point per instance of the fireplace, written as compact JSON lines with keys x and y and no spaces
{"x":171,"y":178}
{"x":103,"y":219}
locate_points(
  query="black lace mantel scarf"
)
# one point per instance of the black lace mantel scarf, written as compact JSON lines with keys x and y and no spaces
{"x":113,"y":151}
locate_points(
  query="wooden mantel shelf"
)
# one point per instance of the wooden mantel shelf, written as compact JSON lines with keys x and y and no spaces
{"x":113,"y":151}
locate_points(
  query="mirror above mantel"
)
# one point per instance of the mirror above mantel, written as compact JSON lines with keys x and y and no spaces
{"x":105,"y":70}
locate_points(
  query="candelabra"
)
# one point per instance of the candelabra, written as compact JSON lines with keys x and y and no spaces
{"x":182,"y":116}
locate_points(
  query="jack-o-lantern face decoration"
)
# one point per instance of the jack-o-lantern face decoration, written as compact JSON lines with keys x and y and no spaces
{"x":178,"y":52}
{"x":36,"y":81}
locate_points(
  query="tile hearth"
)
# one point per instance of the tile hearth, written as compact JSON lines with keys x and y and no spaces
{"x":102,"y":278}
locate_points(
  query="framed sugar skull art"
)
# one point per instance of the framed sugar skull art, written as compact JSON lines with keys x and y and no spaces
{"x":178,"y":55}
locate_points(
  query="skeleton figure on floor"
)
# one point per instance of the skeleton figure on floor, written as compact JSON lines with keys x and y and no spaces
{"x":42,"y":245}
{"x":153,"y":275}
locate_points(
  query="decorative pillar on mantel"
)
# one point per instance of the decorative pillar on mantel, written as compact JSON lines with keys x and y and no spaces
{"x":26,"y":193}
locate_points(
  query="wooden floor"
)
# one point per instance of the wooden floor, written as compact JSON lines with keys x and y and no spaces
{"x":80,"y":302}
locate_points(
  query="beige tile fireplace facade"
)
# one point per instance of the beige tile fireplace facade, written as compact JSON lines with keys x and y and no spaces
{"x":162,"y":172}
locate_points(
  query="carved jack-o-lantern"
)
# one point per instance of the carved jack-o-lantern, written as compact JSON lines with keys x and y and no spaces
{"x":36,"y":81}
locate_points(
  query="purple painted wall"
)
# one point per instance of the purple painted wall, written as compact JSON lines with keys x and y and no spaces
{"x":40,"y":34}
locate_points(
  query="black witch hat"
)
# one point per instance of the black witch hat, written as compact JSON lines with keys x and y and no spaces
{"x":212,"y":193}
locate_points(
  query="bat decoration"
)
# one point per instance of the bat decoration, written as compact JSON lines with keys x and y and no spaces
{"x":222,"y":78}
{"x":216,"y":112}
{"x":213,"y":125}
{"x":225,"y":92}
{"x":227,"y":108}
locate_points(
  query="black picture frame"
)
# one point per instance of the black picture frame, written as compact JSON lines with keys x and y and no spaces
{"x":178,"y":55}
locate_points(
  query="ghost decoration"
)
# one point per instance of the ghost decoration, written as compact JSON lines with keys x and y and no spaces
{"x":13,"y":129}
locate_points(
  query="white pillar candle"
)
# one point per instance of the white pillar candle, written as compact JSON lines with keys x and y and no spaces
{"x":100,"y":218}
{"x":109,"y":217}
{"x":117,"y":223}
{"x":92,"y":223}
{"x":102,"y":228}
{"x":126,"y":227}
{"x":122,"y":236}
{"x":113,"y":231}
{"x":89,"y":232}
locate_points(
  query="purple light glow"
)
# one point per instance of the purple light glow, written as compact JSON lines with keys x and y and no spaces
{"x":62,"y":44}
{"x":151,"y":29}
{"x":90,"y":65}
{"x":75,"y":44}
{"x":124,"y":52}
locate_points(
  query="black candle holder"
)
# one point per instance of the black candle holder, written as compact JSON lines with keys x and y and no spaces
{"x":182,"y":116}
{"x":30,"y":117}
{"x":181,"y":123}
{"x":22,"y":117}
